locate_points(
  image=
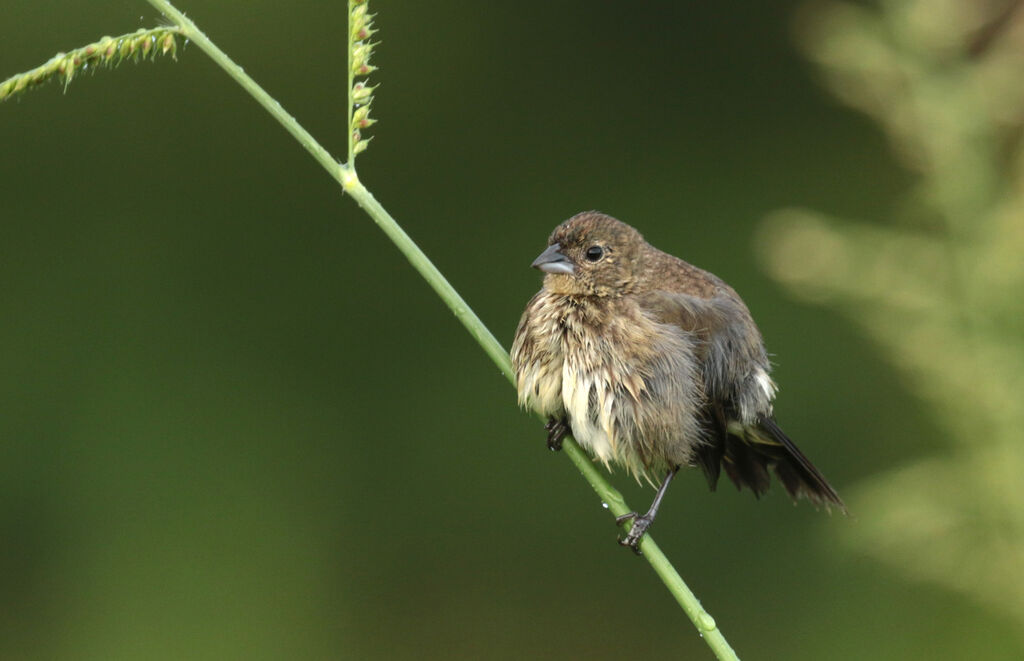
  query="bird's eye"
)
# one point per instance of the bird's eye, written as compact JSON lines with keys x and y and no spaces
{"x":594,"y":253}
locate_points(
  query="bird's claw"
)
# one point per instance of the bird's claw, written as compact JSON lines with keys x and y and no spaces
{"x":636,"y":531}
{"x":557,"y":429}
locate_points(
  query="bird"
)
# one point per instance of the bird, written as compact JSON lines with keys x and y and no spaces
{"x":652,"y":364}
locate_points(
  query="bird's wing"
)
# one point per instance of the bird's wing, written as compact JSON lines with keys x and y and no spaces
{"x":742,"y":434}
{"x":733,"y":360}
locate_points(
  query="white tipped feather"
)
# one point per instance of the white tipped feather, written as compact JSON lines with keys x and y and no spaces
{"x":766,"y":383}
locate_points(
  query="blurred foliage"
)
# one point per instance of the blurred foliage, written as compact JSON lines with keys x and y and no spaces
{"x":940,"y":287}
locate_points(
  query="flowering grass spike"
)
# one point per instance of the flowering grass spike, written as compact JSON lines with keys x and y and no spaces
{"x":107,"y":52}
{"x":360,"y":94}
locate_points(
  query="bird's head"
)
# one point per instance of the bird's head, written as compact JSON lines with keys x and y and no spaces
{"x":592,"y":254}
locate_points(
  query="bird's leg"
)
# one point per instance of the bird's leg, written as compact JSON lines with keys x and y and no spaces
{"x":642,"y":523}
{"x":557,"y":429}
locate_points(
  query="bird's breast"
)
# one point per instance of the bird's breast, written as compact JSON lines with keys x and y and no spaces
{"x":537,"y":355}
{"x":596,"y":362}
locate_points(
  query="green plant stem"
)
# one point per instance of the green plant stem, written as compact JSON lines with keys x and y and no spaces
{"x":346,"y":176}
{"x":192,"y":33}
{"x":426,"y":268}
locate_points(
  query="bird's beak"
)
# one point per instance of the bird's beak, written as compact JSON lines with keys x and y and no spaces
{"x":552,"y":261}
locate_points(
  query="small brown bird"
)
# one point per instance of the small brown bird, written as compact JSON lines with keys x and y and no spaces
{"x":654,"y":364}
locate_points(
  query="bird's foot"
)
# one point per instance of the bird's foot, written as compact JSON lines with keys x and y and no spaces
{"x":636,"y":531}
{"x":557,"y":429}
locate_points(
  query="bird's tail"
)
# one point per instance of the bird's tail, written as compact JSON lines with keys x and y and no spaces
{"x":747,"y":452}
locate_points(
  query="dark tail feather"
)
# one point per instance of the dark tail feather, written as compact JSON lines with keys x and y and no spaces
{"x":747,"y":453}
{"x":745,"y":467}
{"x":710,"y":453}
{"x":806,"y":477}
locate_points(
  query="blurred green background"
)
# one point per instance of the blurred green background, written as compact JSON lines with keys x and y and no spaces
{"x":234,"y":423}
